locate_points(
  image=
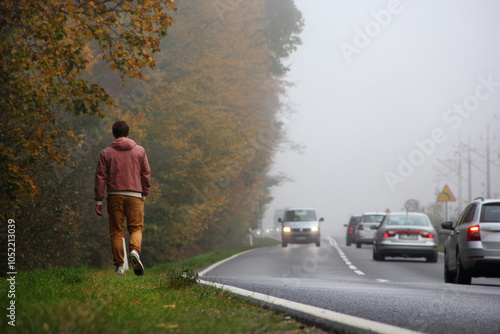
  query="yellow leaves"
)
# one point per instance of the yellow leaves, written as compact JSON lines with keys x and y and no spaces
{"x":126,"y":6}
{"x":60,"y":28}
{"x":72,"y":136}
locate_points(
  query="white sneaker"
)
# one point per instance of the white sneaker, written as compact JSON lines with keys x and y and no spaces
{"x":119,"y":271}
{"x":136,"y":262}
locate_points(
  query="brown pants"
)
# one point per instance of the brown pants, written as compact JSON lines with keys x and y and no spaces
{"x":133,"y":209}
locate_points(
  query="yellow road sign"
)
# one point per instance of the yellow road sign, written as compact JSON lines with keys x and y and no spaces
{"x":446,"y":195}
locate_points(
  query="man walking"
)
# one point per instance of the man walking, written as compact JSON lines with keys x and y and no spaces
{"x":124,"y":169}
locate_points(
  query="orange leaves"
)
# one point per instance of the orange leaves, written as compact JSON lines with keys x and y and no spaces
{"x":17,"y":184}
{"x":45,"y":46}
{"x":72,"y":136}
{"x":47,"y":38}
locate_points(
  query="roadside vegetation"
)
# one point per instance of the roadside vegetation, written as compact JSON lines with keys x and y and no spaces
{"x":202,"y":85}
{"x":166,"y":299}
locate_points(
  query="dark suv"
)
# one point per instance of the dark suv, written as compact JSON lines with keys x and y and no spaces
{"x":351,"y":230}
{"x":473,"y":247}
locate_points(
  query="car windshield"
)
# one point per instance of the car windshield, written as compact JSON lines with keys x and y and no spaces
{"x":490,"y":213}
{"x":300,"y":215}
{"x":407,"y":220}
{"x":373,"y":218}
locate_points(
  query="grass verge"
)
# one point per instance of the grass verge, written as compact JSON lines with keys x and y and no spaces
{"x":165,"y":300}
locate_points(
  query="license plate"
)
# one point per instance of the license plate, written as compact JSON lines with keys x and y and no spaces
{"x":408,"y":236}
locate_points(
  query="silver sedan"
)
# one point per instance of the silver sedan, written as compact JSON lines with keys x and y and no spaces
{"x":404,"y":234}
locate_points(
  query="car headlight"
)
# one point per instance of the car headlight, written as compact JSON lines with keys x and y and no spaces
{"x":286,"y":229}
{"x":314,"y":229}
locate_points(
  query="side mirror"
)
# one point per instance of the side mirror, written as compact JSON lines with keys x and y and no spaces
{"x":321,"y":219}
{"x":374,"y":227}
{"x":447,"y":225}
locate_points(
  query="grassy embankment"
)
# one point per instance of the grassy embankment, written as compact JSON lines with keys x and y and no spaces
{"x":165,"y":300}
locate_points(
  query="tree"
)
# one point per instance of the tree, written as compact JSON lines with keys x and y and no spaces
{"x":207,"y":114}
{"x":285,"y":25}
{"x":45,"y":49}
{"x":212,"y":106}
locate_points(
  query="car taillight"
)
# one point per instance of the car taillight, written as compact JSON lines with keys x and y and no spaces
{"x":351,"y":230}
{"x":474,"y":233}
{"x":426,"y":234}
{"x":389,"y":234}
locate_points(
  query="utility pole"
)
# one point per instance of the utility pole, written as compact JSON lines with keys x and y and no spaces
{"x":473,"y":158}
{"x":488,"y":188}
{"x":470,"y":174}
{"x":459,"y":174}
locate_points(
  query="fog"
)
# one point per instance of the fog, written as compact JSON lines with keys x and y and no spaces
{"x":385,"y":92}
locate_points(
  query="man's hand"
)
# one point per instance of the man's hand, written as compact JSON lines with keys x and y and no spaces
{"x":98,"y":210}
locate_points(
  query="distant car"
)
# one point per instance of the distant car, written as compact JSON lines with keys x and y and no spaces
{"x":473,"y":247}
{"x":300,"y":226}
{"x":405,"y":234}
{"x":351,"y":230}
{"x":364,"y":235}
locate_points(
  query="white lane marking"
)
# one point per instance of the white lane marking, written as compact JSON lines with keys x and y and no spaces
{"x":382,"y":280}
{"x":345,"y":319}
{"x":344,"y":257}
{"x":207,"y":269}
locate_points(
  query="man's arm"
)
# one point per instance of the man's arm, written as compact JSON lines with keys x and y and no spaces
{"x":145,"y":176}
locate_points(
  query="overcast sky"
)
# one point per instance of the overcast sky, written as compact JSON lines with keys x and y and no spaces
{"x":383,"y":89}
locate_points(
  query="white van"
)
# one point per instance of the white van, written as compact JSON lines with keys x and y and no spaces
{"x":300,"y":226}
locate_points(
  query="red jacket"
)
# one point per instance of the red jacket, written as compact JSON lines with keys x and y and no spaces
{"x":123,"y":166}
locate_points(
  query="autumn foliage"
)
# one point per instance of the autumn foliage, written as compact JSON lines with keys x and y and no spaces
{"x":45,"y":49}
{"x":204,"y":101}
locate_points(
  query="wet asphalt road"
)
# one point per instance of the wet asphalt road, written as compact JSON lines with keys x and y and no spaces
{"x":408,"y":293}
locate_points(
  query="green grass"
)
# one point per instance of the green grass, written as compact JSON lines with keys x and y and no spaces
{"x":165,"y":300}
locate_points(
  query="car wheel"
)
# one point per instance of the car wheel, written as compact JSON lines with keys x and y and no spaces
{"x":376,"y":255}
{"x":318,"y":243}
{"x":449,"y":277}
{"x":462,"y":277}
{"x":358,"y":244}
{"x":433,"y":258}
{"x":348,"y":243}
{"x":283,"y":244}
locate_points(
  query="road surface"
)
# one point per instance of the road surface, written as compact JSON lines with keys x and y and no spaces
{"x":407,"y":293}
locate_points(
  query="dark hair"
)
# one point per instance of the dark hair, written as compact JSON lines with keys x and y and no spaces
{"x":120,"y":129}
